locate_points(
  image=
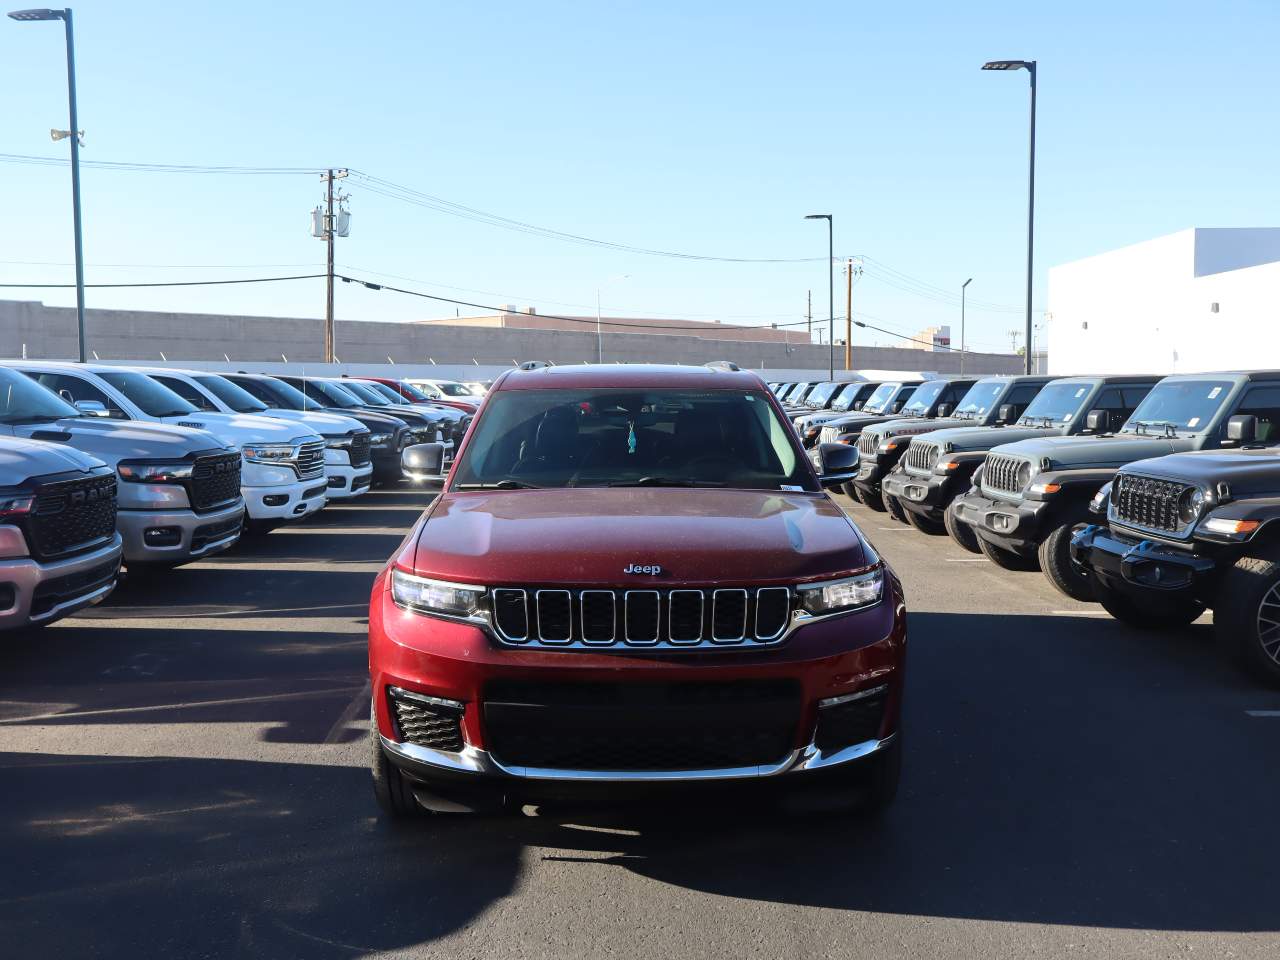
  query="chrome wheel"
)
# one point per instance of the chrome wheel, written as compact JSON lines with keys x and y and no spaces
{"x":1269,"y":623}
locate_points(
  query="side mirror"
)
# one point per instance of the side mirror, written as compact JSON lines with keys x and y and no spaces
{"x":896,"y":407}
{"x":837,"y":463}
{"x":92,"y":408}
{"x":423,"y":463}
{"x":1242,"y":428}
{"x":1097,"y":421}
{"x":1005,"y":413}
{"x":944,"y":410}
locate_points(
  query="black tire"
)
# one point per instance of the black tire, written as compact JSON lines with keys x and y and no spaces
{"x":875,"y":503}
{"x":259,"y":528}
{"x":960,"y":531}
{"x":924,"y":524}
{"x":390,"y":786}
{"x":892,"y":506}
{"x":1246,"y":615}
{"x":1007,"y":559}
{"x":1055,"y":561}
{"x":1146,"y":614}
{"x":852,"y":492}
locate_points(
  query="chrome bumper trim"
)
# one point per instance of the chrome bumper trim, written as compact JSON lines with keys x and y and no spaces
{"x":472,"y":760}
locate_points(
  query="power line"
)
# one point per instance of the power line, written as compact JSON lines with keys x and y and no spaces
{"x":157,"y":167}
{"x":164,"y":283}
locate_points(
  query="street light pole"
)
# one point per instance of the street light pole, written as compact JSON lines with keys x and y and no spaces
{"x":74,"y":133}
{"x":1030,"y":67}
{"x":599,"y":335}
{"x":962,"y":289}
{"x":831,"y":292}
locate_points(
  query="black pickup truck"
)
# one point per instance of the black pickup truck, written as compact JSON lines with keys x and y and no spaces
{"x":1179,"y":534}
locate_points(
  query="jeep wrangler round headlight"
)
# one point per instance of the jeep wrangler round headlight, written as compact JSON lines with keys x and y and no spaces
{"x":1190,"y":504}
{"x":1025,"y":474}
{"x":848,"y":594}
{"x":434,"y":596}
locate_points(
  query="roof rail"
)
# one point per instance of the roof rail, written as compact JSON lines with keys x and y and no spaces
{"x":728,"y":365}
{"x":534,"y":365}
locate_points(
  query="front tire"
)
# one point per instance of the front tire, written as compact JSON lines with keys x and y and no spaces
{"x":892,"y":506}
{"x":390,"y":786}
{"x":924,"y":524}
{"x":1246,"y":616}
{"x":1144,"y":613}
{"x":875,"y":503}
{"x":960,"y":531}
{"x":1055,"y":561}
{"x":852,"y":492}
{"x":1007,"y":559}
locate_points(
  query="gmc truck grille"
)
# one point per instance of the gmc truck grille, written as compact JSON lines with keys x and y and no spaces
{"x":359,"y":449}
{"x":921,"y":456}
{"x":868,"y":443}
{"x":215,"y":481}
{"x":1147,"y":502}
{"x":72,"y":516}
{"x":1000,"y":472}
{"x":310,"y":462}
{"x":641,"y":726}
{"x":665,"y":619}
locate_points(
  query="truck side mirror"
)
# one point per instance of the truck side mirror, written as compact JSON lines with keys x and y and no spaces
{"x":837,"y":463}
{"x":944,"y":409}
{"x":896,"y":407}
{"x":92,"y":408}
{"x":423,"y":463}
{"x":1098,"y":421}
{"x":1242,"y":428}
{"x":1005,"y":413}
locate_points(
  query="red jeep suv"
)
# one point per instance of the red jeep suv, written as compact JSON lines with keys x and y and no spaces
{"x":633,"y":576}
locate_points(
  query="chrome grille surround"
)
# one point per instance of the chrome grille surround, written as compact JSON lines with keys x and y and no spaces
{"x":664,"y":619}
{"x":829,"y":435}
{"x":1000,"y":473}
{"x":868,"y":443}
{"x":920,"y":457}
{"x":1148,"y":503}
{"x":309,"y":462}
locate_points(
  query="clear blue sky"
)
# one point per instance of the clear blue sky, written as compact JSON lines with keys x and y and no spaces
{"x":709,"y":128}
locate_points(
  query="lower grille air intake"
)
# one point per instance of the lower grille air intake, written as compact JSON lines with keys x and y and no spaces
{"x":426,"y":721}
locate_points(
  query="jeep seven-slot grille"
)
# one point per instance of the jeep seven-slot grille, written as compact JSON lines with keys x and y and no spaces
{"x":1147,"y":502}
{"x":215,"y":481}
{"x":867,"y":443}
{"x":310,"y":462}
{"x":921,"y":456}
{"x":1000,"y":472}
{"x":72,"y":516}
{"x":670,"y":619}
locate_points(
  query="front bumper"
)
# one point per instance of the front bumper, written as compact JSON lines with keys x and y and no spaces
{"x":189,"y":535}
{"x":927,"y":496}
{"x":1013,"y":526}
{"x":1144,"y":566}
{"x":870,"y":474}
{"x":288,"y":501}
{"x":855,"y":657}
{"x":346,"y":481}
{"x":45,"y":592}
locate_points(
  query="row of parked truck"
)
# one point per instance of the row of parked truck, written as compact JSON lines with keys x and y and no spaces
{"x":1158,"y":498}
{"x":150,"y":468}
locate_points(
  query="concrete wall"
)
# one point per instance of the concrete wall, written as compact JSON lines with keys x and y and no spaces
{"x":1150,"y":307}
{"x":133,"y":335}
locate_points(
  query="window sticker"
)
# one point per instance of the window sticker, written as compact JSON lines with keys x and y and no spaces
{"x":1080,"y":393}
{"x":1194,"y":421}
{"x":1213,"y":394}
{"x":790,"y":489}
{"x":1066,"y":416}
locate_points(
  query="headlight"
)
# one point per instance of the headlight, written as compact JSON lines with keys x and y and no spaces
{"x":1025,"y":473}
{"x":154,"y":472}
{"x":268,"y":452}
{"x":338,"y":443}
{"x":379,"y":439}
{"x":1236,"y":529}
{"x":1190,"y":504}
{"x":1099,"y":502}
{"x":16,"y":506}
{"x":848,"y":594}
{"x":434,"y":596}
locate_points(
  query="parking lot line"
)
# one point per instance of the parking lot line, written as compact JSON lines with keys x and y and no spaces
{"x":191,"y":705}
{"x":1080,"y":613}
{"x":1263,"y":713}
{"x":967,"y":560}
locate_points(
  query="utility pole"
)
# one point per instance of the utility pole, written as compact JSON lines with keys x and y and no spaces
{"x":328,"y":232}
{"x":848,"y":315}
{"x":1013,"y":340}
{"x":963,"y":287}
{"x":809,"y":316}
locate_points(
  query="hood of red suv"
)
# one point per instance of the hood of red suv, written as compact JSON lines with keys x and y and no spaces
{"x":592,"y":536}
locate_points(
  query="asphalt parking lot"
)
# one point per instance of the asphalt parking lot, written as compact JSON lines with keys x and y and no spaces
{"x":184,"y":775}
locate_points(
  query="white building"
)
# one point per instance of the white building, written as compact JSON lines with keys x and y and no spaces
{"x":1201,"y":299}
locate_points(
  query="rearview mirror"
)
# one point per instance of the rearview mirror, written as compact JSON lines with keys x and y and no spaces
{"x":1242,"y":428}
{"x":837,"y":463}
{"x":1098,"y":421}
{"x":423,"y":463}
{"x":944,"y":410}
{"x":1005,"y":413}
{"x":92,"y":408}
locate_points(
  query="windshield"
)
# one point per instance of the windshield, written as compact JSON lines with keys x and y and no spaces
{"x":980,"y":399}
{"x":796,"y":392}
{"x":22,"y":400}
{"x":1056,"y":403}
{"x":364,"y":392}
{"x":922,"y":400}
{"x":847,"y":396}
{"x":416,"y":395}
{"x":234,"y":397}
{"x":453,"y":389}
{"x":332,"y":394}
{"x":879,"y":400}
{"x":152,"y":398}
{"x":662,"y":437}
{"x":822,"y":393}
{"x":1179,"y":405}
{"x":386,"y":393}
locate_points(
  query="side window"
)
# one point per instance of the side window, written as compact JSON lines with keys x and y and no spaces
{"x":258,"y":390}
{"x":72,"y":389}
{"x":1134,"y":396}
{"x":900,"y":401}
{"x":1110,"y":399}
{"x":954,"y":392}
{"x":1020,"y":398}
{"x":188,"y":393}
{"x":1263,"y":402}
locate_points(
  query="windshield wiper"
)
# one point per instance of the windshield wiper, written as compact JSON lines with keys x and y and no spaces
{"x":664,"y":482}
{"x":1170,"y":429}
{"x":34,"y":418}
{"x":500,"y":485}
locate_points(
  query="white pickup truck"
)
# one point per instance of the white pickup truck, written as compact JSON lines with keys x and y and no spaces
{"x":283,"y":474}
{"x":347,"y":463}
